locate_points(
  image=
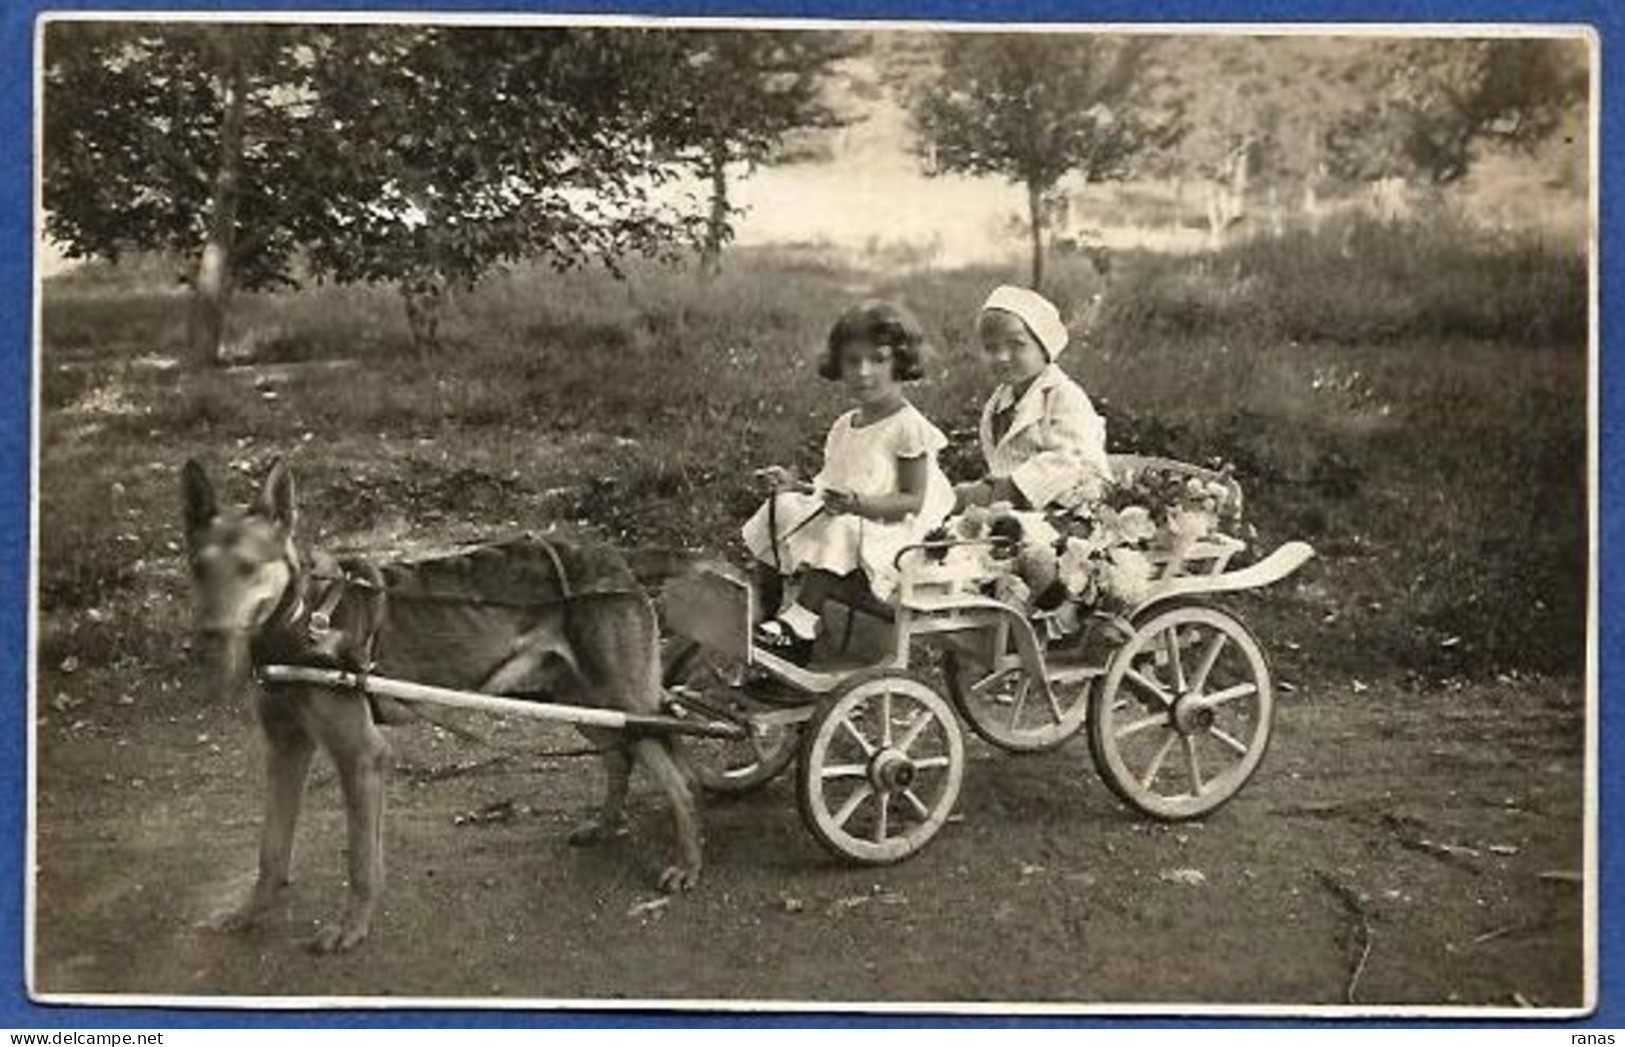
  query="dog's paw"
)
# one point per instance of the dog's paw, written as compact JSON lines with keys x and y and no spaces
{"x":595,"y":833}
{"x":680,"y":878}
{"x":341,"y":937}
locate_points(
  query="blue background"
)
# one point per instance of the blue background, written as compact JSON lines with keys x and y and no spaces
{"x":17,"y":19}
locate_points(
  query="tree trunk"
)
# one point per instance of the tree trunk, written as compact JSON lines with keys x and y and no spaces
{"x":1240,"y":170}
{"x":1313,"y":171}
{"x":716,"y":227}
{"x":1240,"y":173}
{"x":1215,"y":216}
{"x":1227,"y":199}
{"x":423,"y":293}
{"x":1035,"y":222}
{"x":211,"y":294}
{"x":1389,"y":199}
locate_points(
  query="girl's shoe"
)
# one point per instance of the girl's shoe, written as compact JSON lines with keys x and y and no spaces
{"x":777,"y":638}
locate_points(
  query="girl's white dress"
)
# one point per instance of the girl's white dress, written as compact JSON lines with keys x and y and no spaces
{"x":862,"y":460}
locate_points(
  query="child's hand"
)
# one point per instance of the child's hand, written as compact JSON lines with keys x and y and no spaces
{"x":966,"y":495}
{"x":843,"y":502}
{"x":1003,"y":489}
{"x":781,"y":479}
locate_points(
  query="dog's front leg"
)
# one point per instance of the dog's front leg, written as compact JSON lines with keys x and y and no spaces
{"x":360,"y":754}
{"x":288,"y":750}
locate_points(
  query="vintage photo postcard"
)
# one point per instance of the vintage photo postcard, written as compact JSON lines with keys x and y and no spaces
{"x":601,"y":512}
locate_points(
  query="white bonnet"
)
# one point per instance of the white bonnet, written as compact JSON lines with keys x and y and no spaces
{"x":1034,"y":310}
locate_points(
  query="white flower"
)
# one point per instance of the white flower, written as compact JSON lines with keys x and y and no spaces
{"x":1090,"y":487}
{"x":973,"y":558}
{"x":1188,"y":525}
{"x":1035,"y":529}
{"x":1077,"y":567}
{"x":1107,"y":531}
{"x":1135,"y":524}
{"x":1126,"y":577}
{"x":970,"y":524}
{"x":1072,"y":498}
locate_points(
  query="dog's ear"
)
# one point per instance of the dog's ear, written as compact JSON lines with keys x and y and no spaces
{"x":277,"y":496}
{"x":198,"y":495}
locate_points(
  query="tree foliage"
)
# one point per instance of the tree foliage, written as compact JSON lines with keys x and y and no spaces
{"x":446,"y":151}
{"x":132,"y":124}
{"x":1434,"y":103}
{"x":424,"y":155}
{"x":1252,"y":111}
{"x":746,"y":97}
{"x":1036,"y":108}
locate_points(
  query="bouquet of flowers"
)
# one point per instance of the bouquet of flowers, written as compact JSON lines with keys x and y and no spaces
{"x":1093,"y":551}
{"x":1184,"y":509}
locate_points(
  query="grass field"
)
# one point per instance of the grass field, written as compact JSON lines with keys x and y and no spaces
{"x":1411,"y":401}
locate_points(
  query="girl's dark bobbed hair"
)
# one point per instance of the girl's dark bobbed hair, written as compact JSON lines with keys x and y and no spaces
{"x":878,"y":322}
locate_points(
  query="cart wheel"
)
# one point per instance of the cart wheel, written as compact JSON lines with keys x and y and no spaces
{"x":725,"y":766}
{"x":1007,"y":708}
{"x":881,"y":765}
{"x":1184,"y":715}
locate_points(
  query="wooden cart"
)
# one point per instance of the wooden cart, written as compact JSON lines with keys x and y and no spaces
{"x":1176,"y":694}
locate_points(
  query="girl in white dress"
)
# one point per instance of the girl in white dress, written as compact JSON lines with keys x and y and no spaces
{"x":879,"y":490}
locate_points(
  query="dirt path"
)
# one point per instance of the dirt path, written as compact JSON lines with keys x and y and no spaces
{"x":1448,"y":823}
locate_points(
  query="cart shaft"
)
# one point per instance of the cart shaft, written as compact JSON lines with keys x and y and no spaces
{"x":579,"y":715}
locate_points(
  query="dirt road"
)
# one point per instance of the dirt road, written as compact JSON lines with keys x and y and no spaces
{"x":1441,"y":829}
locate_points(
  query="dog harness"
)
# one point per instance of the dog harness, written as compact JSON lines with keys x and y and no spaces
{"x":301,"y":630}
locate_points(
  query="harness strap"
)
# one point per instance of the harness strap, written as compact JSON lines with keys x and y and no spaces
{"x":322,"y":617}
{"x":362,"y":574}
{"x":773,"y":531}
{"x":565,"y":595}
{"x":291,"y":606}
{"x":301,"y":626}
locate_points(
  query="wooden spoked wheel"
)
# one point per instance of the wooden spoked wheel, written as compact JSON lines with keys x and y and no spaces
{"x":1184,"y":714}
{"x":724,"y":765}
{"x":1009,"y":708}
{"x":881,"y":764}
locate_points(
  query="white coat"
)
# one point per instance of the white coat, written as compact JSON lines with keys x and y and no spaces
{"x":1055,"y":438}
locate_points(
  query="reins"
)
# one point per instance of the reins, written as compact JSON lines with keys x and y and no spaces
{"x":777,"y":539}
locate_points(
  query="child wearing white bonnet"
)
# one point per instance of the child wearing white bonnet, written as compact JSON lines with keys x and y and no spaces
{"x":1041,"y":437}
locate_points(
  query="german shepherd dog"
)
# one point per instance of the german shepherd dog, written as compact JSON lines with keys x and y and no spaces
{"x":522,"y":618}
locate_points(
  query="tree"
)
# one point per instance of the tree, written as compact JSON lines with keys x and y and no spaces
{"x":422,"y":155}
{"x":737,"y":97}
{"x":1034,"y":109}
{"x":163,"y":137}
{"x":456,"y":150}
{"x":1435,"y":103}
{"x":1253,"y":110}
